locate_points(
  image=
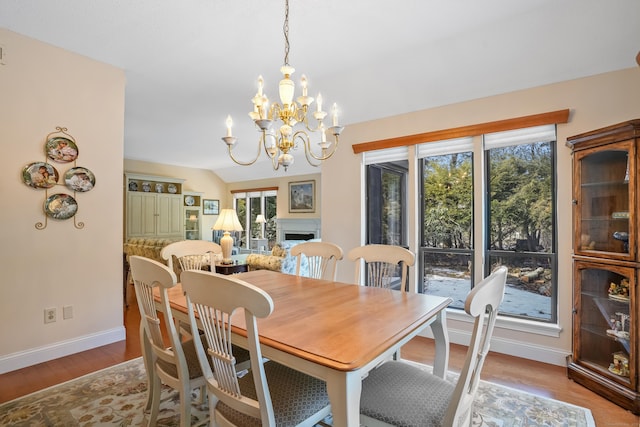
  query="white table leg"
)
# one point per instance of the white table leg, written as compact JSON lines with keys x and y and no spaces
{"x":344,"y":394}
{"x":441,"y":336}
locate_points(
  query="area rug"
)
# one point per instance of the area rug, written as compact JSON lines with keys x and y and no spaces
{"x":116,"y":396}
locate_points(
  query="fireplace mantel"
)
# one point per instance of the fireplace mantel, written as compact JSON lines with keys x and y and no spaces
{"x":297,"y":226}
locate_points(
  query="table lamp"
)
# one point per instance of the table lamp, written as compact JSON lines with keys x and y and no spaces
{"x":260,"y":220}
{"x":227,"y":222}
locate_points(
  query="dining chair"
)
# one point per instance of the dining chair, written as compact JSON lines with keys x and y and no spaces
{"x":271,"y":394}
{"x":175,"y":364}
{"x":401,"y":393}
{"x":322,"y":258}
{"x":382,"y":262}
{"x":208,"y":251}
{"x":190,"y":255}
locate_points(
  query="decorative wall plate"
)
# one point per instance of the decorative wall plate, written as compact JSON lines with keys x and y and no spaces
{"x":61,"y":150}
{"x":146,"y":187}
{"x":159,"y":188}
{"x":133,"y":186}
{"x":172,"y":189}
{"x":60,"y":206}
{"x":189,"y":200}
{"x":79,"y":179}
{"x":40,"y":175}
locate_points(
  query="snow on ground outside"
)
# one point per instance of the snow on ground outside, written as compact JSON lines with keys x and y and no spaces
{"x":516,"y":301}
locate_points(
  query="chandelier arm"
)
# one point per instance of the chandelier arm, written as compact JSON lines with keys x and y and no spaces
{"x":306,"y":143}
{"x":274,"y":111}
{"x":309,"y":128}
{"x":275,"y":164}
{"x":309,"y":152}
{"x":264,"y":145}
{"x":248,"y":163}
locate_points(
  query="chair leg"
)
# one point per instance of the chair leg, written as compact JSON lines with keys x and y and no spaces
{"x":185,"y":407}
{"x":147,"y":355}
{"x":155,"y":402}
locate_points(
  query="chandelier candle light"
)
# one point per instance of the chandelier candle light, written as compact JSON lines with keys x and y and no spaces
{"x":277,"y":145}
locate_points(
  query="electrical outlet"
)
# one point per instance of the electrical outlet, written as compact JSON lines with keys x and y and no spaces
{"x":67,"y":312}
{"x":49,"y":315}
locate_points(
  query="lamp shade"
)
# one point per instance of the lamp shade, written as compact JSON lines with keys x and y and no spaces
{"x":260,"y":219}
{"x":228,"y":221}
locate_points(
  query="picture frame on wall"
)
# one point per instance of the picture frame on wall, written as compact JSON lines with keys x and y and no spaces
{"x":210,"y":207}
{"x":302,"y":196}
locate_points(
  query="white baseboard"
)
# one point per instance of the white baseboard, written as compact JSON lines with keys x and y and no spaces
{"x":33,"y":356}
{"x":521,"y":349}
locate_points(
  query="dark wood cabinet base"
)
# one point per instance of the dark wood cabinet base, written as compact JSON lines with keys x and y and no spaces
{"x":616,"y":393}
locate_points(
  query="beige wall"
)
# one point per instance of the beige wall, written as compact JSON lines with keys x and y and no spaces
{"x":594,"y":102}
{"x":42,"y":87}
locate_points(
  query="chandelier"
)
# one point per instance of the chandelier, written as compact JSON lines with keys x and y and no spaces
{"x":278,"y":144}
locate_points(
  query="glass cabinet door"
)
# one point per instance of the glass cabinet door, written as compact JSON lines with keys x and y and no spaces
{"x":192,"y":224}
{"x":603,"y":197}
{"x":604,"y":333}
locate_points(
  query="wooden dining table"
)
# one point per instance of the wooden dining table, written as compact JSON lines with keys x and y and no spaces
{"x":336,"y":331}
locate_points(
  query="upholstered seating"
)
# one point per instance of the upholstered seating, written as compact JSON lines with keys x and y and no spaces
{"x":280,"y":259}
{"x":146,"y":247}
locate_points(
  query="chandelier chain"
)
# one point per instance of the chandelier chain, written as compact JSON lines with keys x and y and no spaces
{"x":285,"y":28}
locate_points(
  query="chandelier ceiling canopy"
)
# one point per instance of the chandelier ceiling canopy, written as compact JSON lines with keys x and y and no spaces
{"x":288,"y":113}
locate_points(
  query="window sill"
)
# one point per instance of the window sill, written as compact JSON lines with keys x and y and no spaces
{"x":513,"y":324}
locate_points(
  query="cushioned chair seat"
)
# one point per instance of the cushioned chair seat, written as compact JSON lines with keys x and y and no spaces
{"x":302,"y":396}
{"x":418,"y":398}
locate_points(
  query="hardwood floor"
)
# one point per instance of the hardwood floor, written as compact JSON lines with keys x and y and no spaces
{"x":534,"y":377}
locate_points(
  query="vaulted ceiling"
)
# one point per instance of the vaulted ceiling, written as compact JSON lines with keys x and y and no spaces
{"x":189,"y":63}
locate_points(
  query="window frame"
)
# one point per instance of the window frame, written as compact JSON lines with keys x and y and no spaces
{"x":248,"y":221}
{"x":489,"y":253}
{"x":480,"y":253}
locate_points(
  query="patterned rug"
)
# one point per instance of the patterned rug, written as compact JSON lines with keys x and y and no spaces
{"x":116,"y":396}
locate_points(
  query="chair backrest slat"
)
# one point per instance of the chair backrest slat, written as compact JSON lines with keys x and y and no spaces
{"x":188,"y":247}
{"x":322,"y":259}
{"x":382,"y":262}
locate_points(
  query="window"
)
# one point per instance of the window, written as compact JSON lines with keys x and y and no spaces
{"x":387,"y":172}
{"x":520,"y":234}
{"x":258,"y":202}
{"x":518,"y":231}
{"x":447,"y":218}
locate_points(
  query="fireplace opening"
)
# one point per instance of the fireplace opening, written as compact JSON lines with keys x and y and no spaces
{"x":299,"y":236}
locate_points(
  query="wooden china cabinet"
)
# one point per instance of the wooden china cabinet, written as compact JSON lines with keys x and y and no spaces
{"x":606,"y":262}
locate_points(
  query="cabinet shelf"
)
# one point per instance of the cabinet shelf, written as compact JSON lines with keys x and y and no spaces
{"x":607,"y":219}
{"x":603,"y":335}
{"x":604,"y":184}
